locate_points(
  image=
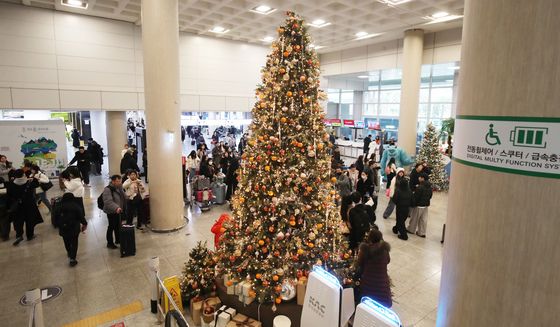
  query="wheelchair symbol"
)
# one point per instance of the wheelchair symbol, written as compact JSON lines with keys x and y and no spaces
{"x":492,"y":138}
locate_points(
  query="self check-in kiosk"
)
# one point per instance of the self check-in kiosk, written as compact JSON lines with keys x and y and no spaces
{"x":370,"y":313}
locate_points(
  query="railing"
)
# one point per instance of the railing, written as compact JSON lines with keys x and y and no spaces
{"x":172,"y":317}
{"x":33,"y":300}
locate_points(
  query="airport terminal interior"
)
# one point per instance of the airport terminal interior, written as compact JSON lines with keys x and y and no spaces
{"x":233,"y":163}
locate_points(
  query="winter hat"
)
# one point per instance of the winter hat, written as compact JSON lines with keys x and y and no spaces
{"x":399,"y":170}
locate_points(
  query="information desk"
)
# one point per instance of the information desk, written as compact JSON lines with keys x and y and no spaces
{"x":350,"y":148}
{"x":289,"y":309}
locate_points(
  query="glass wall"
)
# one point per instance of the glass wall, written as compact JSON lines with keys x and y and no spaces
{"x":381,"y":101}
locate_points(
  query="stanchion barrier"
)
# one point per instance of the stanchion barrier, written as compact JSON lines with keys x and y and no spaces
{"x":33,"y":299}
{"x":172,"y":316}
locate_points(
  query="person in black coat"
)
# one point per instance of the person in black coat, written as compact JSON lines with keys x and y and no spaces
{"x":231,"y":177}
{"x":365,"y":185}
{"x":367,"y":141}
{"x":75,"y":138}
{"x":4,"y":217}
{"x":71,"y":222}
{"x":403,"y":201}
{"x":95,"y":152}
{"x":84,"y":163}
{"x":414,"y":174}
{"x":128,"y":163}
{"x":23,"y":206}
{"x":359,"y":219}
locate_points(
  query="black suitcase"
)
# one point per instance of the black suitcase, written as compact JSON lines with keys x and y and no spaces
{"x":128,"y":241}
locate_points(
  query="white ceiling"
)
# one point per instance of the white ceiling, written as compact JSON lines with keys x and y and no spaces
{"x":347,"y":17}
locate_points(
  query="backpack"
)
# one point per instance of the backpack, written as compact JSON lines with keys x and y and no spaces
{"x":100,"y":203}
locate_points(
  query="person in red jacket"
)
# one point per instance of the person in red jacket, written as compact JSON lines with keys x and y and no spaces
{"x":218,"y":229}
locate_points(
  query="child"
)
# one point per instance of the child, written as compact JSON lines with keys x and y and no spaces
{"x":218,"y":228}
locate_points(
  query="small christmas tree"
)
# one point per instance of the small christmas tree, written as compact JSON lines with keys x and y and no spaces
{"x":429,"y":152}
{"x":285,"y":219}
{"x":199,"y":273}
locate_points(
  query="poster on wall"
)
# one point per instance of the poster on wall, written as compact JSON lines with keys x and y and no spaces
{"x":42,"y":142}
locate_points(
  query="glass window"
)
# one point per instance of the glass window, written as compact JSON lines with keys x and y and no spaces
{"x":425,"y":76}
{"x":424,"y":95}
{"x":389,"y":109}
{"x":442,"y":94}
{"x":441,"y":110}
{"x":392,"y":96}
{"x":333,"y":95}
{"x":423,"y":110}
{"x":391,"y":78}
{"x":346,"y":111}
{"x":370,"y":109}
{"x":371,"y":97}
{"x":347,"y":97}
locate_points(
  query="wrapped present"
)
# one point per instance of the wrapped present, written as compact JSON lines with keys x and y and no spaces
{"x":231,"y":287}
{"x":300,"y":290}
{"x":226,"y":277}
{"x":247,"y":287}
{"x":224,"y":315}
{"x":243,"y":321}
{"x":210,"y":324}
{"x":241,"y":287}
{"x":214,"y":301}
{"x":196,"y":310}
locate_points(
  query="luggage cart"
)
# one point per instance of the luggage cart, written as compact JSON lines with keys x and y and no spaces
{"x":202,"y":193}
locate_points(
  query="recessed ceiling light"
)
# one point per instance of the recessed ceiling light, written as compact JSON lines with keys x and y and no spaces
{"x":363,"y":76}
{"x":361,"y":34}
{"x":263,"y":9}
{"x":455,"y":67}
{"x":219,"y":30}
{"x":365,"y":35}
{"x":442,"y":19}
{"x":318,"y":23}
{"x":440,"y":14}
{"x":268,"y":39}
{"x":316,"y":47}
{"x":82,"y":4}
{"x":394,"y":2}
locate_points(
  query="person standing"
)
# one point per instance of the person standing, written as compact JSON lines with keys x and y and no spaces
{"x":231,"y":176}
{"x":44,"y":185}
{"x":23,"y":206}
{"x":124,"y":150}
{"x":414,"y":174}
{"x":128,"y":163}
{"x":360,"y":163}
{"x":71,"y":222}
{"x":371,"y":268}
{"x":96,"y":155}
{"x":343,"y":183}
{"x":145,"y":163}
{"x":376,"y":153}
{"x":84,"y":163}
{"x":354,"y":175}
{"x":422,"y":196}
{"x":403,"y":201}
{"x":192,"y":164}
{"x":70,"y":182}
{"x":76,"y":138}
{"x":4,"y":217}
{"x":5,"y":168}
{"x":367,"y":141}
{"x":359,"y":221}
{"x":114,"y":205}
{"x":134,"y":190}
{"x":365,"y":187}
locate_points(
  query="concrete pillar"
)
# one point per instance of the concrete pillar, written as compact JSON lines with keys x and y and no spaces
{"x":413,"y":49}
{"x":501,"y":255}
{"x":99,"y":128}
{"x":160,"y":39}
{"x":116,"y":137}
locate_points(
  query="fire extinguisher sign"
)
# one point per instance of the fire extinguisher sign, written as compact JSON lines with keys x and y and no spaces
{"x":518,"y":145}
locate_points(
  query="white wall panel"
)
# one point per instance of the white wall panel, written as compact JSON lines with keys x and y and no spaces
{"x":119,"y":101}
{"x":354,"y":53}
{"x":382,"y":62}
{"x":141,"y":101}
{"x":5,"y":98}
{"x":96,"y":81}
{"x":35,"y":99}
{"x":236,"y":103}
{"x":190,"y":102}
{"x":10,"y":26}
{"x":212,"y":103}
{"x":354,"y":66}
{"x":95,"y":65}
{"x":29,"y":44}
{"x":331,"y":69}
{"x":93,"y":37}
{"x":80,"y":99}
{"x":87,"y":23}
{"x":11,"y":76}
{"x":93,"y":51}
{"x":447,"y":54}
{"x":27,"y":59}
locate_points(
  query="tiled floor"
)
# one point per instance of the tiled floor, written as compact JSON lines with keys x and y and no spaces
{"x":102,"y":280}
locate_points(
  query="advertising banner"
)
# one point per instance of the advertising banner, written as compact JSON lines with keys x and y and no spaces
{"x":348,"y":122}
{"x":42,"y":142}
{"x":334,"y":122}
{"x":518,"y":145}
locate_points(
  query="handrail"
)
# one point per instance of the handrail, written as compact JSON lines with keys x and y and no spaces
{"x":155,"y":306}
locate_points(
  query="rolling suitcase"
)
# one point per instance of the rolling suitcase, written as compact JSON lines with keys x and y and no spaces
{"x":128,"y":241}
{"x":219,"y":191}
{"x":203,"y":196}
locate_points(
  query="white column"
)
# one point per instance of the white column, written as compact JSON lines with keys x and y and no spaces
{"x":160,"y":40}
{"x":99,"y":128}
{"x":502,"y":255}
{"x":116,"y":138}
{"x":36,"y":114}
{"x":413,"y":49}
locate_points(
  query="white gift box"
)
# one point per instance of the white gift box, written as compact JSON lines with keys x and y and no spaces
{"x":224,"y":315}
{"x":247,"y":286}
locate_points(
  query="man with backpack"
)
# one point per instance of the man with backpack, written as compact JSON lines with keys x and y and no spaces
{"x":360,"y":219}
{"x":113,"y":202}
{"x":71,"y":221}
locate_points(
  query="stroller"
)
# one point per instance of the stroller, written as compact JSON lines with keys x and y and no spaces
{"x":203,"y":192}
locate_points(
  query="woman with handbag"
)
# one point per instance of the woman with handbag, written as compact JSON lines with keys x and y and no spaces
{"x":44,"y":185}
{"x":23,"y":207}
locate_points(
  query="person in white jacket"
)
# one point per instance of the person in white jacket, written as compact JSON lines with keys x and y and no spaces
{"x":43,"y":179}
{"x":394,"y":181}
{"x":192,"y":164}
{"x":70,"y":182}
{"x":135,"y":192}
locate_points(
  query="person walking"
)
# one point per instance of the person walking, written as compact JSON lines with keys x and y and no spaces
{"x":391,"y":186}
{"x":71,"y":222}
{"x":83,"y":162}
{"x":403,"y":201}
{"x":70,"y":182}
{"x":367,"y":141}
{"x":4,"y":217}
{"x":231,"y":176}
{"x":422,"y":196}
{"x":359,"y":221}
{"x":44,"y":185}
{"x":135,"y":191}
{"x":75,"y":138}
{"x":23,"y":207}
{"x":96,"y":155}
{"x":114,"y":205}
{"x":128,"y":163}
{"x":371,"y":269}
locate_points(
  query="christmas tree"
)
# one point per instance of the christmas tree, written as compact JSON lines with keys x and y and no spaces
{"x":199,"y":273}
{"x":429,"y":152}
{"x":285,"y":219}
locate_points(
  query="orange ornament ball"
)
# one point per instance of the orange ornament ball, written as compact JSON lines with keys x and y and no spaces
{"x":252,"y":294}
{"x":275,"y":278}
{"x":292,"y":223}
{"x":333,"y":180}
{"x":300,"y":251}
{"x":286,"y":53}
{"x":302,"y":78}
{"x":229,"y":283}
{"x":310,"y":244}
{"x":305,"y":100}
{"x":278,"y":289}
{"x":278,"y":300}
{"x":261,"y":242}
{"x":258,"y":276}
{"x":282,"y":70}
{"x":283,"y":120}
{"x":289,"y":93}
{"x":319,"y":226}
{"x":263,"y":105}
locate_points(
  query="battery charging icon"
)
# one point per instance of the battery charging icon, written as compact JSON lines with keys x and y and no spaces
{"x":531,"y":137}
